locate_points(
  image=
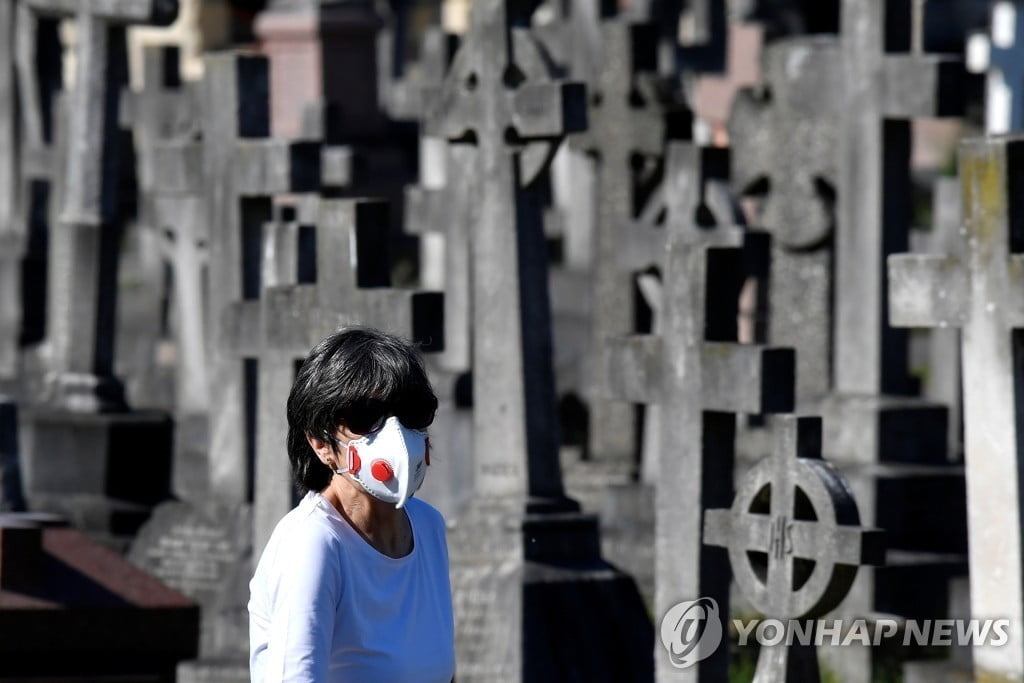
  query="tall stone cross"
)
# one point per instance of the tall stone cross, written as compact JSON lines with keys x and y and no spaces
{"x":981,"y":294}
{"x":701,"y":378}
{"x":1000,"y":55}
{"x":11,"y":238}
{"x":499,"y":96}
{"x":85,"y":242}
{"x":884,"y":87}
{"x":39,"y":67}
{"x":798,"y":208}
{"x":352,"y":287}
{"x":805,"y":539}
{"x":626,"y":121}
{"x":242,"y":170}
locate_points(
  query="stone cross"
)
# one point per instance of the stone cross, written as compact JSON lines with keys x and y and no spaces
{"x":980,"y":294}
{"x":1001,"y":55}
{"x":804,"y":534}
{"x":38,"y":61}
{"x":626,"y":121}
{"x":498,"y":94}
{"x":85,"y":244}
{"x":11,"y":239}
{"x":447,"y":211}
{"x":352,"y":287}
{"x":883,"y":89}
{"x":242,"y":170}
{"x":701,"y":378}
{"x":800,"y":103}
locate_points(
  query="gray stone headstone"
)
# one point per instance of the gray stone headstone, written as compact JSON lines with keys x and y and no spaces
{"x":530,"y":587}
{"x":979,"y":293}
{"x":883,"y":88}
{"x":85,"y":242}
{"x":701,"y":378}
{"x":784,"y":139}
{"x":11,"y":237}
{"x":794,"y":540}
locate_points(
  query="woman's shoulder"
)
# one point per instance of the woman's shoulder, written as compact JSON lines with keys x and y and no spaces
{"x":308,"y":524}
{"x":422,"y":510}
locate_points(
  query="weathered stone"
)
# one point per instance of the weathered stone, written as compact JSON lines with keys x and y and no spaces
{"x":881,"y":91}
{"x":703,"y":270}
{"x":978,"y":293}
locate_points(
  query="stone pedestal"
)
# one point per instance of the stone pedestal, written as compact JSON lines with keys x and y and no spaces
{"x":565,"y":614}
{"x":322,"y":52}
{"x":103,"y":471}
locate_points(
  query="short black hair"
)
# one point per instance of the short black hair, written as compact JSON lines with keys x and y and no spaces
{"x":353,"y":377}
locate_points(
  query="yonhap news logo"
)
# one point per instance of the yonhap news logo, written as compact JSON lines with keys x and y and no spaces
{"x":691,"y":631}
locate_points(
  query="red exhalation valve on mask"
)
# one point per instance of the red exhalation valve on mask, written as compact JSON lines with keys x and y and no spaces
{"x":353,"y":459}
{"x":381,"y":471}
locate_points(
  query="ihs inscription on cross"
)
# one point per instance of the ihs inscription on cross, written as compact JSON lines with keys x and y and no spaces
{"x":981,"y":294}
{"x":797,"y":513}
{"x":499,"y":96}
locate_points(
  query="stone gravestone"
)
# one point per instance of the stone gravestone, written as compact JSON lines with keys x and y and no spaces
{"x":351,"y":288}
{"x":891,"y":446}
{"x":796,"y":186}
{"x":999,"y":55}
{"x":979,"y":293}
{"x":79,"y":441}
{"x":533,"y":598}
{"x":38,"y":61}
{"x":701,"y":378}
{"x":794,"y":540}
{"x":11,"y":239}
{"x":629,"y":120}
{"x":162,"y":108}
{"x":205,"y":552}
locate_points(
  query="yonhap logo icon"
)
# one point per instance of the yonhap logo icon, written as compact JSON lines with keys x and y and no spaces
{"x":691,"y":631}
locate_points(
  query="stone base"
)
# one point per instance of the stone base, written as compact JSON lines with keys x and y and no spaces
{"x":213,"y":671}
{"x":124,"y":456}
{"x":535,"y":601}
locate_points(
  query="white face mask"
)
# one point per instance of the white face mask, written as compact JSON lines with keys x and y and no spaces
{"x":389,"y":463}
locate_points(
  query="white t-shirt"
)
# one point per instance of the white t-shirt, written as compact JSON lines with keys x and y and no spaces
{"x":326,"y":606}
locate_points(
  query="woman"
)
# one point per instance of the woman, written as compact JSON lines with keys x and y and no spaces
{"x":353,"y":584}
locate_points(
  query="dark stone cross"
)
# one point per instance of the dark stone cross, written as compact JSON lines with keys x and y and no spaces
{"x":701,"y":378}
{"x":796,"y":183}
{"x":85,"y":243}
{"x":498,"y":95}
{"x":351,"y":287}
{"x":794,"y":521}
{"x":980,"y":293}
{"x":628,"y":119}
{"x":533,"y":597}
{"x":884,"y":87}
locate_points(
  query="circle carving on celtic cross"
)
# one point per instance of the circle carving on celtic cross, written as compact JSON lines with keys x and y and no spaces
{"x":793,"y":532}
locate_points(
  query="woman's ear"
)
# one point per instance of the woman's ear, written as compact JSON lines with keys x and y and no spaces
{"x":321,"y":448}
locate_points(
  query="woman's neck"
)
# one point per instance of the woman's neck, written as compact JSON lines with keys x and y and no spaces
{"x":383,"y":526}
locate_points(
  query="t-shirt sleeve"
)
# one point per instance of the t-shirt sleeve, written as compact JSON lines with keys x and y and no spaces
{"x":305,"y":589}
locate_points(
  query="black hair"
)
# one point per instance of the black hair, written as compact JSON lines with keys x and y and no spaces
{"x":356,"y":377}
